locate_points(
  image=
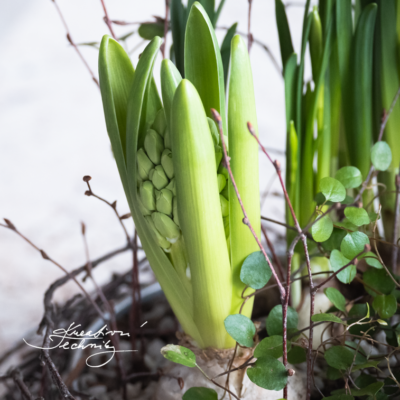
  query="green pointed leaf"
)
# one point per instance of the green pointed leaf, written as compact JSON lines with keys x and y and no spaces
{"x":353,"y":244}
{"x":179,"y":355}
{"x":336,"y":298}
{"x":149,"y":30}
{"x":285,"y":39}
{"x":200,"y":393}
{"x":323,"y":317}
{"x":255,"y":271}
{"x":381,"y":156}
{"x":203,"y":63}
{"x":271,"y":346}
{"x":322,"y":229}
{"x":274,"y":320}
{"x":268,"y":373}
{"x":385,"y":306}
{"x":243,"y":150}
{"x":357,"y":216}
{"x":297,"y":355}
{"x":349,"y":177}
{"x":178,"y":26}
{"x":241,"y":329}
{"x":338,"y":260}
{"x":379,"y":280}
{"x":200,"y":215}
{"x":332,"y":189}
{"x":226,"y":50}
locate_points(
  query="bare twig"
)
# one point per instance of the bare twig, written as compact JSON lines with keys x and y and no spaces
{"x":274,"y":255}
{"x":16,"y":375}
{"x":69,"y":38}
{"x":107,"y":20}
{"x":249,"y":34}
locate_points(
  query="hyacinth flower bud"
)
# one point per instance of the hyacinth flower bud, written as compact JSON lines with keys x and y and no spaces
{"x":159,"y":178}
{"x":166,"y":226}
{"x":221,"y":182}
{"x":154,"y":146}
{"x":175,"y":210}
{"x":151,"y":173}
{"x":144,"y":165}
{"x":159,"y":124}
{"x":142,"y":208}
{"x":216,"y":141}
{"x":166,"y":162}
{"x":171,"y":186}
{"x":147,"y":195}
{"x":158,"y":237}
{"x":167,"y":140}
{"x":164,"y":201}
{"x":224,"y":206}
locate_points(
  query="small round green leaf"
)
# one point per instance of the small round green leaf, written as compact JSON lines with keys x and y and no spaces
{"x":338,"y":260}
{"x":335,"y":240}
{"x":385,"y":306}
{"x":353,"y":244}
{"x":255,"y":270}
{"x":326,"y":317}
{"x":357,"y":216}
{"x":322,"y":229}
{"x":268,"y":373}
{"x":339,"y":357}
{"x":241,"y":329}
{"x":271,"y":346}
{"x":200,"y":393}
{"x":349,"y":177}
{"x":381,"y":156}
{"x":149,"y":30}
{"x":332,"y":189}
{"x":179,"y":355}
{"x":372,"y":260}
{"x":274,"y":320}
{"x":379,"y":280}
{"x":336,"y":298}
{"x":297,"y":355}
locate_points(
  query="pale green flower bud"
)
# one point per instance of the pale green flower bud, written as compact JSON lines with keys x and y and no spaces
{"x":166,"y":226}
{"x":167,"y":140}
{"x":159,"y":124}
{"x":221,"y":182}
{"x":159,"y":178}
{"x":171,"y":186}
{"x":154,"y":146}
{"x":147,"y":195}
{"x":175,"y":211}
{"x":214,"y":132}
{"x":151,"y":173}
{"x":226,"y":226}
{"x":162,"y":242}
{"x":144,"y":165}
{"x":166,"y":162}
{"x":142,"y":208}
{"x":222,"y":170}
{"x":224,"y":206}
{"x":164,"y":201}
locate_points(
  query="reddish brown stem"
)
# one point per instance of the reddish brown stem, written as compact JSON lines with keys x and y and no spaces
{"x":107,"y":20}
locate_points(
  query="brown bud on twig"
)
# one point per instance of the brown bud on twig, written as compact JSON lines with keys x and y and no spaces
{"x":87,"y":178}
{"x":83,"y":227}
{"x":10,"y":224}
{"x":88,"y":193}
{"x":70,"y":39}
{"x":114,"y":204}
{"x":338,"y":205}
{"x":355,"y":261}
{"x":181,"y":383}
{"x":397,"y":181}
{"x":291,"y":372}
{"x":44,"y":255}
{"x":359,"y":204}
{"x":251,"y":128}
{"x":367,"y":248}
{"x":125,"y":216}
{"x":245,"y":220}
{"x":277,"y":165}
{"x":216,"y":115}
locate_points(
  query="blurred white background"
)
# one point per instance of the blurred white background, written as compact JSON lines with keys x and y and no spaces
{"x":53,"y":133}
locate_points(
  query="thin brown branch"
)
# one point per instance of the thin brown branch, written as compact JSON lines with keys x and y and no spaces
{"x":70,"y":40}
{"x":274,"y":255}
{"x":108,"y":21}
{"x":249,"y":34}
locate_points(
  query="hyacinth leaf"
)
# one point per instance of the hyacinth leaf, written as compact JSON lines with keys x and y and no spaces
{"x":176,"y":287}
{"x":358,"y":94}
{"x":243,"y":151}
{"x":170,"y":79}
{"x":178,"y":24}
{"x":200,"y":215}
{"x":285,"y":39}
{"x":116,"y":77}
{"x":344,"y":31}
{"x":226,"y":50}
{"x":203,"y":62}
{"x":316,"y":42}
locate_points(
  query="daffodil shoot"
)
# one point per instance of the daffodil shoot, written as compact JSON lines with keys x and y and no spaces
{"x":169,"y":155}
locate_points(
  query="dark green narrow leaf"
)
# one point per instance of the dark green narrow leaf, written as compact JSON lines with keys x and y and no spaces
{"x":226,"y":50}
{"x":178,"y":25}
{"x":218,"y":12}
{"x":149,"y":30}
{"x":285,"y":39}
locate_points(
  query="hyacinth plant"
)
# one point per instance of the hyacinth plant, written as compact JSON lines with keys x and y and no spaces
{"x":169,"y":155}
